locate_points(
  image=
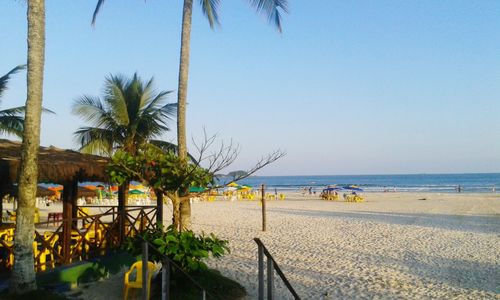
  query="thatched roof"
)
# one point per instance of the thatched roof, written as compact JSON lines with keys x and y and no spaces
{"x":40,"y":192}
{"x":54,"y":164}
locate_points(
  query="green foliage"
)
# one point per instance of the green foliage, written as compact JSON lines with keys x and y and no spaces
{"x":12,"y":119}
{"x":185,"y":248}
{"x":222,"y":288}
{"x":129,"y":114}
{"x":164,"y":171}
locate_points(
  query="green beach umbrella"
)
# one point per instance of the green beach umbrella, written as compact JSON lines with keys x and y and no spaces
{"x":196,"y":189}
{"x":135,"y":192}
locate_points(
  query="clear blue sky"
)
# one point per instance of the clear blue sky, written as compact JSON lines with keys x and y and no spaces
{"x":350,"y":87}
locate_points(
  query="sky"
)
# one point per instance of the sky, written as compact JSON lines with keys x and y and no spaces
{"x":348,"y":87}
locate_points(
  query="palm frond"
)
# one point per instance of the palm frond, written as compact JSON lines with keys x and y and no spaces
{"x":95,"y":140}
{"x":11,"y":124}
{"x":166,"y":112}
{"x":271,"y":9}
{"x":14,"y":111}
{"x":89,"y":108}
{"x":116,"y":99}
{"x":156,"y":101}
{"x":210,"y":10}
{"x":46,"y":110}
{"x":5,"y":78}
{"x":21,"y":110}
{"x":96,"y":11}
{"x":167,"y":146}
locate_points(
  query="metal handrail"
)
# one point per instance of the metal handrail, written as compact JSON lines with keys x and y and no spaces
{"x":271,"y":266}
{"x":166,"y":263}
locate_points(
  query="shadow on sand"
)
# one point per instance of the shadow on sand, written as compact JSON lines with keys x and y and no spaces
{"x":472,"y":223}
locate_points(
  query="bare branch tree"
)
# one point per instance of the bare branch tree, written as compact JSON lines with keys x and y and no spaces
{"x":226,"y":155}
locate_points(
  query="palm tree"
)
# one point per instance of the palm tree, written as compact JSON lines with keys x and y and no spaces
{"x":12,"y":119}
{"x":270,"y":8}
{"x":128,"y":116}
{"x":23,"y":273}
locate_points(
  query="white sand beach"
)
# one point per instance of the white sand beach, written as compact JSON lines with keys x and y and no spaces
{"x":393,"y":246}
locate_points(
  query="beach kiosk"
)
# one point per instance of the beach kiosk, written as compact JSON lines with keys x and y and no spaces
{"x":68,"y":168}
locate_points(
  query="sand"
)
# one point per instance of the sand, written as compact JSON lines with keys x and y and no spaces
{"x":393,"y":246}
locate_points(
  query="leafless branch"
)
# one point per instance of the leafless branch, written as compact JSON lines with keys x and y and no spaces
{"x":263,"y":162}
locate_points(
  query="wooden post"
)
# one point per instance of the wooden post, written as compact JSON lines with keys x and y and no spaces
{"x":159,"y":208}
{"x":74,"y":204}
{"x":1,"y":207}
{"x":68,"y":193}
{"x":165,"y":280}
{"x":261,"y":271}
{"x":122,"y":202}
{"x":145,"y":270}
{"x":270,"y":279}
{"x":263,"y":200}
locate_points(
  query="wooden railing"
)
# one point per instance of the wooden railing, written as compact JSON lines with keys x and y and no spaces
{"x":91,"y":235}
{"x":272,"y":266}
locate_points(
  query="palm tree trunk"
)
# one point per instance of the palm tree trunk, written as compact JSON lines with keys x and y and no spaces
{"x":185,"y":206}
{"x":23,"y":274}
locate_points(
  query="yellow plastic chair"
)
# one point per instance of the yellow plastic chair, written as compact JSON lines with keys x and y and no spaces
{"x":358,"y":198}
{"x":137,"y":283}
{"x":83,"y":212}
{"x":47,"y":235}
{"x":42,"y":257}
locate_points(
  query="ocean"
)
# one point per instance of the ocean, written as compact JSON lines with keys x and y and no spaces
{"x":442,"y":183}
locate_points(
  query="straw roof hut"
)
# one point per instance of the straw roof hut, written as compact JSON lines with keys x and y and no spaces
{"x":54,"y":165}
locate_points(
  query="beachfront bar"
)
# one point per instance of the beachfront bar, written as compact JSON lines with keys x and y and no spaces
{"x":68,"y":241}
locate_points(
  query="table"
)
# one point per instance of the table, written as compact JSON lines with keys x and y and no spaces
{"x":56,"y":217}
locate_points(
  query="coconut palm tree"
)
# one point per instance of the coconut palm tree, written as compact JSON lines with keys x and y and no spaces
{"x":12,"y":119}
{"x":23,"y":273}
{"x":128,"y":116}
{"x":270,"y":8}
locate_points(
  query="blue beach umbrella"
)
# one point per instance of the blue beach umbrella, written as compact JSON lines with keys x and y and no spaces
{"x":352,"y":188}
{"x":332,"y":189}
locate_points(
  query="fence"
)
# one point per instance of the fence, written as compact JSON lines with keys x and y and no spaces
{"x":271,"y":267}
{"x":89,"y":236}
{"x":167,"y":266}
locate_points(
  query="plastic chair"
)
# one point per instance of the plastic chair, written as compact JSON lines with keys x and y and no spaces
{"x":137,"y":283}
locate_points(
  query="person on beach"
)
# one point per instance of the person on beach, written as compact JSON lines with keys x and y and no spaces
{"x":310,"y":190}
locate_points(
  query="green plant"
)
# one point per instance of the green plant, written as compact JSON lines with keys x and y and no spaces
{"x":186,"y":248}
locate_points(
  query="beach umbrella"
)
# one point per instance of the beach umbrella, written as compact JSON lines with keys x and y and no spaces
{"x":353,"y":188}
{"x":233,"y":184}
{"x":331,"y":189}
{"x":85,"y":192}
{"x":135,"y":192}
{"x":196,"y":189}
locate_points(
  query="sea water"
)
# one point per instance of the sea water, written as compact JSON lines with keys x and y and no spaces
{"x":444,"y":183}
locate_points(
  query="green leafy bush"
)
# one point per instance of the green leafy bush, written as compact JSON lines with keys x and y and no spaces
{"x":185,"y":248}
